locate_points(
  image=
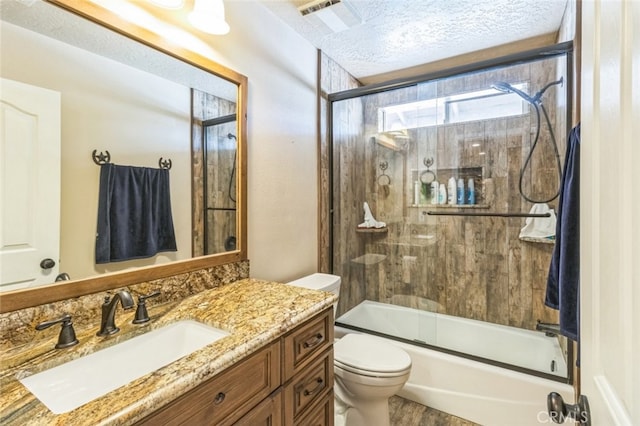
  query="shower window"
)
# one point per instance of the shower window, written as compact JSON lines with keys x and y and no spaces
{"x":455,"y":277}
{"x":469,"y":106}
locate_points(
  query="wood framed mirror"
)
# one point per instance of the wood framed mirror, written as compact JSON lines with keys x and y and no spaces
{"x":190,"y":50}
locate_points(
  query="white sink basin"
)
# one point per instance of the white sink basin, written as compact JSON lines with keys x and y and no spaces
{"x":70,"y":385}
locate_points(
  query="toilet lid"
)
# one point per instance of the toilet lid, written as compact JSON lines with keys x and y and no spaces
{"x":368,"y":353}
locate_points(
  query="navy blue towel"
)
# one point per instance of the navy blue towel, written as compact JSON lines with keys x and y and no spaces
{"x":563,"y":283}
{"x":134,"y":213}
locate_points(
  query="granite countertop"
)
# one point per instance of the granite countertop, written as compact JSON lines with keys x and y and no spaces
{"x":255,"y":312}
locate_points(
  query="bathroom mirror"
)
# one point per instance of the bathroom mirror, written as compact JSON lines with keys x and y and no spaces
{"x":165,"y":131}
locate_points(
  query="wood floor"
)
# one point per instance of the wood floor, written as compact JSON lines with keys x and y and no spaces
{"x":403,"y":412}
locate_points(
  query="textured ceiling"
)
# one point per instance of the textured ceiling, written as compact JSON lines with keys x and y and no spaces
{"x":398,"y":34}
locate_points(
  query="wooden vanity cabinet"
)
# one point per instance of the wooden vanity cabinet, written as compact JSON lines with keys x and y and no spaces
{"x":288,"y":382}
{"x":307,"y":368}
{"x":227,"y":396}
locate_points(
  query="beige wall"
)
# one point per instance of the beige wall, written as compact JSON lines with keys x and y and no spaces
{"x":105,"y":106}
{"x":282,"y":143}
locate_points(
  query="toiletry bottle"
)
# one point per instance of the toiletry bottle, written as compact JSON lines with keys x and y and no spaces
{"x":442,"y":194}
{"x":471,"y":192}
{"x":451,"y":190}
{"x":416,"y":192}
{"x":460,"y":192}
{"x":435,"y":187}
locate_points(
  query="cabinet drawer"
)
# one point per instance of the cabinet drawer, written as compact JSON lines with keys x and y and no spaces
{"x":309,"y":386}
{"x":319,"y":415}
{"x":226,"y":396}
{"x":302,"y":344}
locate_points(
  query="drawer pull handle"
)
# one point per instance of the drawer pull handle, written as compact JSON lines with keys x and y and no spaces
{"x":318,"y":387}
{"x":314,"y":341}
{"x":219,"y":398}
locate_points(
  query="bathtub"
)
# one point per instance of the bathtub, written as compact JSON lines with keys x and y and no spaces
{"x":483,"y":393}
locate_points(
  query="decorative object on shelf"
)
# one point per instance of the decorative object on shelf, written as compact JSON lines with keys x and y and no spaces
{"x":369,"y":220}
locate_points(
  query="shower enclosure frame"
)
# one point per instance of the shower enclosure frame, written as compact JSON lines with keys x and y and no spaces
{"x":561,"y":49}
{"x":206,"y":124}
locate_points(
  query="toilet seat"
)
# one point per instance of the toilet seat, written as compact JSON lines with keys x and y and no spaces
{"x":368,"y":356}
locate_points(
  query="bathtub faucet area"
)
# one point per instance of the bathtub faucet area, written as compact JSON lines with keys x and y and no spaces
{"x":549,"y":329}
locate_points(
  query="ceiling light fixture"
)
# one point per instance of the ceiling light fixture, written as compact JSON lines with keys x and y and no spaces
{"x":330,"y":16}
{"x":208,"y":16}
{"x":168,"y":4}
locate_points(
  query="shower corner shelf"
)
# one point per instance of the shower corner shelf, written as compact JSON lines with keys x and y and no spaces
{"x":450,"y":206}
{"x":372,"y":230}
{"x":538,"y":240}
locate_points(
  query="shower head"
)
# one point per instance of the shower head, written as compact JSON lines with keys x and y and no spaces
{"x":502,"y":86}
{"x":507,"y":88}
{"x":231,"y":136}
{"x":535,"y":99}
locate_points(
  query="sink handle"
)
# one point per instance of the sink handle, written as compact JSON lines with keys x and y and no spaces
{"x":142,"y":315}
{"x":67,"y":335}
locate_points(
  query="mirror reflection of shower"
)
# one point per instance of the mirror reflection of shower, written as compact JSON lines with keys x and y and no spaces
{"x":220,"y":157}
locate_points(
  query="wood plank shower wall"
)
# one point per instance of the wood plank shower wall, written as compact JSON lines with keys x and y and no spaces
{"x":471,"y":267}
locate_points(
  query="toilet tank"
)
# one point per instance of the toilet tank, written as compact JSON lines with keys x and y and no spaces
{"x":319,"y":281}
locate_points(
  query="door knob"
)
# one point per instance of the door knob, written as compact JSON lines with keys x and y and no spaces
{"x":559,"y":411}
{"x":47,"y":263}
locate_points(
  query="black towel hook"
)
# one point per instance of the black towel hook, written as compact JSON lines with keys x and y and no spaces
{"x":164,"y":164}
{"x":101,"y":158}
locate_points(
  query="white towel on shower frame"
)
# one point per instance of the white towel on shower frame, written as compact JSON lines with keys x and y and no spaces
{"x":540,"y":227}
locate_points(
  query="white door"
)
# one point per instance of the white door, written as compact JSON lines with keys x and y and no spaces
{"x":610,"y":211}
{"x":30,"y":185}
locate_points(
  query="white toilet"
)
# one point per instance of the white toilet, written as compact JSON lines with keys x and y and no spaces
{"x":368,"y":370}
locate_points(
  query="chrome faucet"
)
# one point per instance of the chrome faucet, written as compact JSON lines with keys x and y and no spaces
{"x":107,"y":324}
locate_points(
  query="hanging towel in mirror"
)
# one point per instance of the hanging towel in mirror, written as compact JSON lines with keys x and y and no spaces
{"x":134,"y":213}
{"x":563,"y":283}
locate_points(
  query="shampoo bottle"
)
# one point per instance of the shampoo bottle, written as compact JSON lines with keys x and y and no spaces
{"x":460,"y":192}
{"x":451,"y":190}
{"x":435,"y":187}
{"x":416,"y":192}
{"x":471,"y":192}
{"x":442,"y":194}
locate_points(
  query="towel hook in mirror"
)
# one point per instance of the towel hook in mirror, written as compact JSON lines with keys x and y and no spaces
{"x":164,"y":164}
{"x":101,"y":158}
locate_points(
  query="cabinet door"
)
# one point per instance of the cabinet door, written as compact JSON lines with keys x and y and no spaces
{"x":227,"y":396}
